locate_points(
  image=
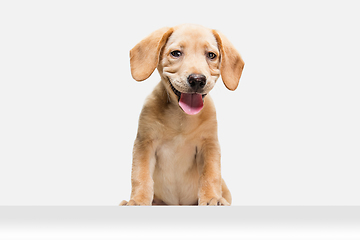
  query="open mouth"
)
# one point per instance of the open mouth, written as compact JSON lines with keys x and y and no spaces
{"x":190,"y":103}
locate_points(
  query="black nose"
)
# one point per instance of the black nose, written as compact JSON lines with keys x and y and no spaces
{"x":197,"y":81}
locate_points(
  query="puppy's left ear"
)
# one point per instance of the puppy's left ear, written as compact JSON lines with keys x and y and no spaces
{"x":144,"y":57}
{"x":231,"y":65}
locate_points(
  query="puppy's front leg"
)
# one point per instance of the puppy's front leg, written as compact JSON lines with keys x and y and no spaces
{"x":142,"y":191}
{"x":210,"y":175}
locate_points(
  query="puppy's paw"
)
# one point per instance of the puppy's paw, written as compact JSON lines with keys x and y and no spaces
{"x":123,"y":203}
{"x":213,"y":202}
{"x":132,"y":203}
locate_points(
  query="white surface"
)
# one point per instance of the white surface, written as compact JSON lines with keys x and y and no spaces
{"x":69,"y":107}
{"x":281,"y":223}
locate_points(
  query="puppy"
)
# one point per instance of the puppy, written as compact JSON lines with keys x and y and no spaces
{"x":176,"y":155}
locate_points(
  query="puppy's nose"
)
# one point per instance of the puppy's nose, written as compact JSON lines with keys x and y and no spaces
{"x":196,"y":81}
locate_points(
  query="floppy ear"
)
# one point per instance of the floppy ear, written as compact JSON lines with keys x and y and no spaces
{"x":231,"y":65}
{"x":144,"y":57}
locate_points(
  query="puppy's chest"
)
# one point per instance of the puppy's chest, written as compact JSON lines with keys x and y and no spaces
{"x":177,"y":154}
{"x":176,"y":173}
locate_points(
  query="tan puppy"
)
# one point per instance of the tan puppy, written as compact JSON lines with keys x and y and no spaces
{"x":176,"y":156}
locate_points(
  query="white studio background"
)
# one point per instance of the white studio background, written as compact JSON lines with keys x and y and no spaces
{"x":69,"y":108}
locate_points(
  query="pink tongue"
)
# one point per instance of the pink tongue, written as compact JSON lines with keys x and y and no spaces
{"x":191,"y":103}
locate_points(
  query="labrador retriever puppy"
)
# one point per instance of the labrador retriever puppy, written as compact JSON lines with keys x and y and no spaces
{"x":176,"y":155}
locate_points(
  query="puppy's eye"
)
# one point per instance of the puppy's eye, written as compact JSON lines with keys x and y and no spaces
{"x":176,"y":53}
{"x":211,"y":55}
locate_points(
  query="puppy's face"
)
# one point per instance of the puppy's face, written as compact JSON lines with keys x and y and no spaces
{"x":189,"y":59}
{"x":190,"y":66}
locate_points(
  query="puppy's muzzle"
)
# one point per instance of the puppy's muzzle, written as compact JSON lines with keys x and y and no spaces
{"x":196,"y":81}
{"x":191,"y":101}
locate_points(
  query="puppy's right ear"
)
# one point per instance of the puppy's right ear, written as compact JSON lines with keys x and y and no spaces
{"x":144,"y":57}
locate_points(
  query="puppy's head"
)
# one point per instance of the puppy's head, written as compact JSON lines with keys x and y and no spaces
{"x":190,"y":59}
